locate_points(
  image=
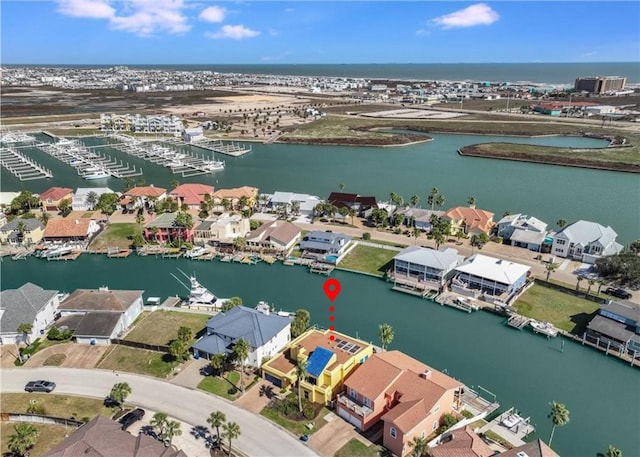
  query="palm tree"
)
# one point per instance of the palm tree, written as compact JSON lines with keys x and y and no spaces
{"x":231,"y":432}
{"x":25,"y":330}
{"x":119,"y":392}
{"x":438,"y":237}
{"x":241,"y":351}
{"x":591,"y":282}
{"x":171,"y":429}
{"x":301,"y":372}
{"x":295,"y":208}
{"x":416,"y":233}
{"x":23,"y":439}
{"x":440,"y":201}
{"x":217,"y":362}
{"x":159,"y":422}
{"x":601,"y":282}
{"x":22,"y":228}
{"x":471,"y":200}
{"x":353,"y":213}
{"x":419,"y":445}
{"x":344,"y":212}
{"x":341,"y":187}
{"x":44,"y":218}
{"x":561,"y":223}
{"x":578,"y":281}
{"x":431,"y":199}
{"x":559,"y":416}
{"x":385,"y":332}
{"x":140,"y":218}
{"x":217,"y":419}
{"x":550,"y":267}
{"x":415,"y":200}
{"x":91,"y":200}
{"x":613,"y":452}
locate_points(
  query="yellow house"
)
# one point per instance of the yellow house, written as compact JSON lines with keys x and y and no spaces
{"x":22,"y":232}
{"x":329,"y":363}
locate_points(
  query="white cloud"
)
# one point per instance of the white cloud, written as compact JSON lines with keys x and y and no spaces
{"x":478,"y":14}
{"x":213,"y":14}
{"x":142,"y":17}
{"x":235,"y":32}
{"x":423,"y":32}
{"x":97,"y":9}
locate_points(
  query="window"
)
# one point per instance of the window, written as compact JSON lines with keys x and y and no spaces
{"x":366,"y":402}
{"x":435,"y":425}
{"x":353,"y":393}
{"x":393,"y":432}
{"x":306,"y":394}
{"x":560,"y":242}
{"x":423,"y":434}
{"x":436,"y":409}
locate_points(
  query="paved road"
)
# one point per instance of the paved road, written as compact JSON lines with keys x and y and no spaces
{"x":259,"y":437}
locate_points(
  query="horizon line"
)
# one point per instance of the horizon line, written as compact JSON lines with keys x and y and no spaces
{"x":333,"y":63}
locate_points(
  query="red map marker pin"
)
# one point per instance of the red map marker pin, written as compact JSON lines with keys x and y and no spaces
{"x":331,"y":288}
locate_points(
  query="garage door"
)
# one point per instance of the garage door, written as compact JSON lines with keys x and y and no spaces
{"x":272,"y":379}
{"x":348,"y":417}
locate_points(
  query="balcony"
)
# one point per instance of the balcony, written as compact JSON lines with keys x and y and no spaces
{"x":360,"y":410}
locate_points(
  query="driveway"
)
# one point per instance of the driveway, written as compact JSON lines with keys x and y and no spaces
{"x":259,"y":436}
{"x":335,"y":434}
{"x":77,"y":355}
{"x":252,"y":401}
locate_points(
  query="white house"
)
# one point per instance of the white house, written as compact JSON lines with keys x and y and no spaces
{"x":192,"y":135}
{"x":29,"y":304}
{"x":423,"y":264}
{"x":489,"y":276}
{"x":585,"y":241}
{"x":79,"y":202}
{"x":522,"y":231}
{"x":266,"y":333}
{"x":97,"y":316}
{"x":278,"y":236}
{"x":222,"y":229}
{"x":285,"y":201}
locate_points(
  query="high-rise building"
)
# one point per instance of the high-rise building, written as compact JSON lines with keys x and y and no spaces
{"x":601,"y":84}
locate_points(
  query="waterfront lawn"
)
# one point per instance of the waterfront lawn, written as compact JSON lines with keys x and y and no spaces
{"x":565,"y":311}
{"x":368,"y":259}
{"x":355,"y":448}
{"x":123,"y":358}
{"x":116,"y":235}
{"x":160,"y":327}
{"x":48,"y":437}
{"x":65,"y":406}
{"x":227,"y":387}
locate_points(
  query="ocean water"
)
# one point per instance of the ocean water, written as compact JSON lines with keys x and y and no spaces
{"x":550,"y":73}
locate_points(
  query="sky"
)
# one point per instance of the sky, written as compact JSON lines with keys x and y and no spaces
{"x":308,"y":32}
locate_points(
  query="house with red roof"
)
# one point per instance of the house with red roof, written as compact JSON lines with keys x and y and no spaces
{"x":191,"y":194}
{"x":52,"y":197}
{"x":249,"y":194}
{"x":69,"y":230}
{"x":408,"y":396}
{"x":469,"y":219}
{"x":142,"y":197}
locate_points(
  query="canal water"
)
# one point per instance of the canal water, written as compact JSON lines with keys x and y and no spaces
{"x":522,"y":369}
{"x":547,"y":192}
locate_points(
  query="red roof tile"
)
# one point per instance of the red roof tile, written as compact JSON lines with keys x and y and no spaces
{"x":55,"y":193}
{"x":191,"y":194}
{"x":145,"y":191}
{"x":61,"y":228}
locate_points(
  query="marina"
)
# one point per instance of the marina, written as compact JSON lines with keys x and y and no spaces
{"x":22,"y":167}
{"x":231,"y":149}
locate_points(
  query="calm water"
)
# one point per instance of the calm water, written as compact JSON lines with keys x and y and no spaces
{"x":552,"y":73}
{"x":522,"y":369}
{"x":545,"y":191}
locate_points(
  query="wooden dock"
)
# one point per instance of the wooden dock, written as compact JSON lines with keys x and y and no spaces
{"x":518,"y":321}
{"x":118,"y":253}
{"x":70,"y":256}
{"x":321,"y":268}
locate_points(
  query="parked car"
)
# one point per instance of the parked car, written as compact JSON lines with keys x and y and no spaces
{"x":40,"y":386}
{"x":618,"y":292}
{"x":131,"y":417}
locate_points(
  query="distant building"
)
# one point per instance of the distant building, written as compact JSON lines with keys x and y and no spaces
{"x":191,"y":194}
{"x":163,"y":229}
{"x":600,"y":84}
{"x":286,"y":202}
{"x":192,"y":135}
{"x":33,"y":231}
{"x":325,"y":243}
{"x":80,"y":201}
{"x":69,"y":230}
{"x":362,"y":204}
{"x":423,"y":264}
{"x":523,"y":231}
{"x":618,"y":323}
{"x":490,"y":276}
{"x":469,"y":220}
{"x":221,"y":230}
{"x":52,"y":197}
{"x":585,"y":241}
{"x":276,"y":236}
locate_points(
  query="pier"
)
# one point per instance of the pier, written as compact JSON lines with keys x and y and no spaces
{"x":321,"y":268}
{"x":518,"y":321}
{"x":455,"y":301}
{"x":22,"y":167}
{"x":230,"y":149}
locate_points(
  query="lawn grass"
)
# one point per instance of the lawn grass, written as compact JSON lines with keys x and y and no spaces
{"x":295,"y":427}
{"x":227,"y":387}
{"x":565,"y":311}
{"x":116,"y":235}
{"x":160,"y":327}
{"x":65,"y":406}
{"x":368,"y":259}
{"x":355,"y":448}
{"x":48,"y":437}
{"x":123,"y":358}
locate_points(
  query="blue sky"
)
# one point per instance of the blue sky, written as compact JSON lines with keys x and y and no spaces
{"x":260,"y":32}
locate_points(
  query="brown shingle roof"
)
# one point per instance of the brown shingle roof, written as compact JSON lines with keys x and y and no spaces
{"x":281,"y":231}
{"x":145,"y":191}
{"x":98,"y":300}
{"x":60,"y":228}
{"x":55,"y":193}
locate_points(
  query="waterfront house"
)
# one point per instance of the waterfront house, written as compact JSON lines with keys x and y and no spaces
{"x":6,"y":198}
{"x":421,"y":217}
{"x":284,"y":202}
{"x":221,"y":230}
{"x":585,"y":241}
{"x":489,"y":276}
{"x":80,"y":203}
{"x":191,"y":194}
{"x":60,"y":230}
{"x":142,"y":197}
{"x":163,"y":229}
{"x":329,"y":363}
{"x":33,"y":231}
{"x":469,"y":220}
{"x":192,"y":135}
{"x":28,"y":304}
{"x":362,"y":204}
{"x":408,"y":396}
{"x":97,"y":316}
{"x":325,"y":243}
{"x":278,"y":236}
{"x":462,"y":442}
{"x":266,"y":332}
{"x":617,"y":323}
{"x":522,"y":231}
{"x":233,"y":196}
{"x":51,"y":198}
{"x":104,"y":437}
{"x":426,"y":265}
{"x":536,"y":448}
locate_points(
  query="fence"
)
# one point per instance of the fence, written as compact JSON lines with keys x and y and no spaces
{"x":135,"y":344}
{"x":569,"y":290}
{"x":36,"y":418}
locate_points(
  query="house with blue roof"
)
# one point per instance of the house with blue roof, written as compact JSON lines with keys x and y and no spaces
{"x":585,"y":241}
{"x":266,"y":332}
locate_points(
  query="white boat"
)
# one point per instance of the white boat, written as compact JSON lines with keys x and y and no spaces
{"x":546,"y":328}
{"x":62,"y":250}
{"x":196,"y":252}
{"x":95,"y":173}
{"x":199,"y":296}
{"x":214,"y":166}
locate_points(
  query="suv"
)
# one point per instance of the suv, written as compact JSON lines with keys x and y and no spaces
{"x":131,"y":417}
{"x":40,"y":386}
{"x":618,"y":292}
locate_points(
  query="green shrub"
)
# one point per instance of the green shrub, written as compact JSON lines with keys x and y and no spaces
{"x":466,"y":414}
{"x":366,"y":236}
{"x":35,"y":408}
{"x":308,"y":410}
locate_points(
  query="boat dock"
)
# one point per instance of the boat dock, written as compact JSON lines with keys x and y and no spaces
{"x":230,"y":149}
{"x":510,"y":426}
{"x":518,"y":321}
{"x":73,"y":255}
{"x":118,"y":253}
{"x":22,"y":167}
{"x":455,"y":301}
{"x":321,"y":268}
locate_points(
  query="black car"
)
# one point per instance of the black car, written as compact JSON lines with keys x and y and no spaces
{"x":40,"y":386}
{"x":618,"y":292}
{"x":131,"y":417}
